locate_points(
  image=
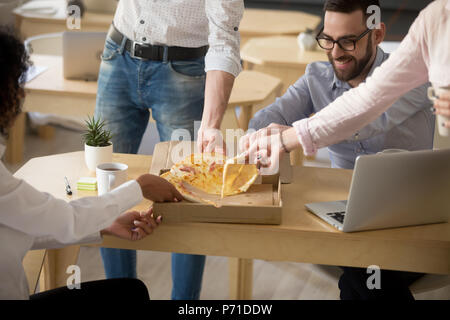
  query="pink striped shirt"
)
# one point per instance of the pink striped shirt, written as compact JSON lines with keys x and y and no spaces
{"x":424,"y":55}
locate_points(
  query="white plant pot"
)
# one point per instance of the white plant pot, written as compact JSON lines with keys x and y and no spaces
{"x":97,"y":155}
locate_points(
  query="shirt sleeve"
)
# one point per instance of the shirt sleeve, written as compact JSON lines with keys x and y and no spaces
{"x":405,"y":69}
{"x":49,"y":242}
{"x":41,"y":215}
{"x":294,"y":105}
{"x":224,"y":39}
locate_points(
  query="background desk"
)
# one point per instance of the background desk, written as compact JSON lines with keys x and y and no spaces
{"x":302,"y":237}
{"x":279,"y":56}
{"x":264,"y":23}
{"x":254,"y":23}
{"x":51,"y":93}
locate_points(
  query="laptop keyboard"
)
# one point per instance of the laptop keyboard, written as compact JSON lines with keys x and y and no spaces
{"x":338,"y":216}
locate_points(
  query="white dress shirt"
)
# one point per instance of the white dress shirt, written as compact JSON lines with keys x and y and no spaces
{"x":424,"y":55}
{"x":187,"y":23}
{"x":30,"y":219}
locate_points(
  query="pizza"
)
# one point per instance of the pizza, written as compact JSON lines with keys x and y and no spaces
{"x":207,"y":177}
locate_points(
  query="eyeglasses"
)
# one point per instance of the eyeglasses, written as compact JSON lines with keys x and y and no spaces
{"x":343,"y":43}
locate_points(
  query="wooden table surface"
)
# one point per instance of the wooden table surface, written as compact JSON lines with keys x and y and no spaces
{"x":302,"y":237}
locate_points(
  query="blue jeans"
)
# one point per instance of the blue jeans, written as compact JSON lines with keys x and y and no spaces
{"x":128,"y":89}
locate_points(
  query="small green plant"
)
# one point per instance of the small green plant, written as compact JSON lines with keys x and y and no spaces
{"x":96,"y":135}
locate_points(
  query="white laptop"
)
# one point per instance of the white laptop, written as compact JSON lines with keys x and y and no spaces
{"x":82,"y":54}
{"x":393,"y":190}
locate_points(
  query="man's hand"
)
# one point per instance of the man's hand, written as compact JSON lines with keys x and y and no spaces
{"x":442,"y":106}
{"x":158,"y":189}
{"x":211,"y":140}
{"x":217,"y":93}
{"x":133,"y":225}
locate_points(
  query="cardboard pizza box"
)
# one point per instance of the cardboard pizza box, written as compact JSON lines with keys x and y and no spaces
{"x":261,"y":204}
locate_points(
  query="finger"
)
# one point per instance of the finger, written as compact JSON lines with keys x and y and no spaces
{"x":244,"y":143}
{"x":152,"y":223}
{"x":263,"y":158}
{"x":199,"y":145}
{"x":140,"y":233}
{"x":149,"y":212}
{"x":144,"y":226}
{"x":252,"y":153}
{"x":253,"y":138}
{"x":445,"y":95}
{"x":442,"y":107}
{"x":176,"y":195}
{"x":148,"y":219}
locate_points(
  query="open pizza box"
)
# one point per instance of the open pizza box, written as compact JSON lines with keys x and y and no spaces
{"x":261,"y":204}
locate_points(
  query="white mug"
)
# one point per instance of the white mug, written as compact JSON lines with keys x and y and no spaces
{"x":110,"y":176}
{"x":433,"y":95}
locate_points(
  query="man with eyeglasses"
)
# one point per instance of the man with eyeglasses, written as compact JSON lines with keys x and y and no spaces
{"x":352,"y":48}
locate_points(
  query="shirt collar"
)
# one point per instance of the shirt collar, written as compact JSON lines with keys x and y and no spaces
{"x":379,"y":58}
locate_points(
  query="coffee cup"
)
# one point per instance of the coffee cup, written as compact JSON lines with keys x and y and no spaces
{"x":110,"y":176}
{"x":433,"y":95}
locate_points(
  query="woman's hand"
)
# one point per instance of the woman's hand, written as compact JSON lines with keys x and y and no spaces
{"x":133,"y":225}
{"x":158,"y":189}
{"x":249,"y":139}
{"x":265,"y":148}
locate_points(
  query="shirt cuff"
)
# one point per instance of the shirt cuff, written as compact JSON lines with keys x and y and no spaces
{"x":301,"y":128}
{"x":127,"y":195}
{"x":218,"y":62}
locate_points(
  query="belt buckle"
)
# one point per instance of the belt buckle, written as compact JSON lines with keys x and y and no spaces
{"x":133,"y":49}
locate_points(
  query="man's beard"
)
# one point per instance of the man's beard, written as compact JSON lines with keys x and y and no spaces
{"x":359,"y":65}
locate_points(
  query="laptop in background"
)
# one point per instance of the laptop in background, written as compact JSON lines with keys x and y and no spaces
{"x":393,"y":190}
{"x":82,"y":54}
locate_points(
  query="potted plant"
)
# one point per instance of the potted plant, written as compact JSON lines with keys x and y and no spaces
{"x":98,"y":147}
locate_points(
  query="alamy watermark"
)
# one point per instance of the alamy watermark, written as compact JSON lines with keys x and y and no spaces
{"x":73,"y":21}
{"x":74,"y":280}
{"x":374,"y":21}
{"x":374,"y":280}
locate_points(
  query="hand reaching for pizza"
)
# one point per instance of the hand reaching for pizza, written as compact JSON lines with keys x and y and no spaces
{"x":158,"y":189}
{"x":265,"y":148}
{"x":210,"y":140}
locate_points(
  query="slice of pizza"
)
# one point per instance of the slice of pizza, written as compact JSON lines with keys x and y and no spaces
{"x":207,"y":178}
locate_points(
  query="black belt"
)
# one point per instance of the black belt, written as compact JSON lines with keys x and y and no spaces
{"x":152,"y":52}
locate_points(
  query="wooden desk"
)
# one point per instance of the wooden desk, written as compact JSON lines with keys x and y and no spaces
{"x":254,"y":23}
{"x":302,"y":237}
{"x":263,"y":23}
{"x":280,"y":57}
{"x":51,"y":93}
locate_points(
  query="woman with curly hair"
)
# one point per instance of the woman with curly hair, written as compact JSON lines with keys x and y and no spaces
{"x":14,"y":63}
{"x":30,"y":219}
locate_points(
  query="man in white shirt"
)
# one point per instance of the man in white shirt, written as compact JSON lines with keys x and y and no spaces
{"x":179,"y":60}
